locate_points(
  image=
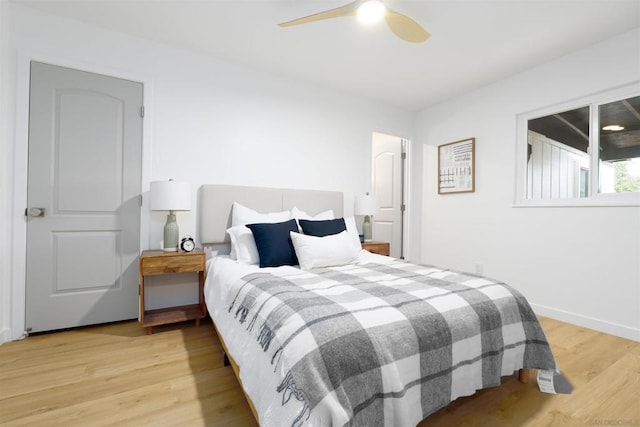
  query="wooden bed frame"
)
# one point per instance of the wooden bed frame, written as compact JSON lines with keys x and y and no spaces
{"x":215,"y":205}
{"x":236,"y":371}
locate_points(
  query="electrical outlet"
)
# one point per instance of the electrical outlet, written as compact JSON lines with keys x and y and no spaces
{"x":479,"y":269}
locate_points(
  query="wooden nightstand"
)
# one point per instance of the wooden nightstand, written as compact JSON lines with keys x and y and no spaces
{"x":381,"y":248}
{"x":158,"y":262}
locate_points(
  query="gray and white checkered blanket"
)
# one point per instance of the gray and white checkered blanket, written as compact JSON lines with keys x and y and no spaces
{"x":387,"y":344}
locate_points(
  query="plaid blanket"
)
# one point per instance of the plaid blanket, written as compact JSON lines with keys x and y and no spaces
{"x":386,"y":344}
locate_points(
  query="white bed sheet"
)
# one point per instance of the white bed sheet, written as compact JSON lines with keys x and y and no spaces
{"x":256,"y":371}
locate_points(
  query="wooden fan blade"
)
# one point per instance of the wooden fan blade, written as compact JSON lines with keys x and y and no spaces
{"x":346,"y":10}
{"x":405,"y":28}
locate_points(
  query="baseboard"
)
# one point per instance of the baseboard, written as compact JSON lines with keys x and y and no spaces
{"x":5,"y":335}
{"x":565,"y":316}
{"x":599,"y":325}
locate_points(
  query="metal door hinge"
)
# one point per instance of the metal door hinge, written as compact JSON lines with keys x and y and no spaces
{"x":403,"y":156}
{"x":142,"y":111}
{"x":403,"y":207}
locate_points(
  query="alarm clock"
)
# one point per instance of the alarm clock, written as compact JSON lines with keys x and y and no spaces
{"x":187,"y":244}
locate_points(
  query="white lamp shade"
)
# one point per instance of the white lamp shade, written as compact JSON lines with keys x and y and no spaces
{"x":367,"y":205}
{"x":170,"y":196}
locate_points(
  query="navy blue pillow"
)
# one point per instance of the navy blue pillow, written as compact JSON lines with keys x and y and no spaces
{"x":274,"y":243}
{"x":322,"y":228}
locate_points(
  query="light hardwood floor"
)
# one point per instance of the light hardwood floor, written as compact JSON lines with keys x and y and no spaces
{"x":116,"y":375}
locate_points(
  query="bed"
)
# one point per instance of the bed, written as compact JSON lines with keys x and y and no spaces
{"x":367,"y":341}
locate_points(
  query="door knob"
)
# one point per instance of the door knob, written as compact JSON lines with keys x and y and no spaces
{"x":36,"y":212}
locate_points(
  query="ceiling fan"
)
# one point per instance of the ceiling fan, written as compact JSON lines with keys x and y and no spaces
{"x":371,"y":10}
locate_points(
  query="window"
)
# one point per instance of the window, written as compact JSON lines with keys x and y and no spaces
{"x":558,"y":146}
{"x":581,"y":153}
{"x":619,"y":153}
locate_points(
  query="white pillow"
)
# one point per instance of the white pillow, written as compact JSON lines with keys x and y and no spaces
{"x":242,"y":215}
{"x":352,"y":229}
{"x":327,"y":251}
{"x":243,"y":245}
{"x":298,"y":214}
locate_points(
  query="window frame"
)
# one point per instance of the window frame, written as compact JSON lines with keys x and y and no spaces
{"x":594,"y":198}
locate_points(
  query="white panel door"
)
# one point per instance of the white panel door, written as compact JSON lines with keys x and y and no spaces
{"x":84,"y":182}
{"x":387,"y":187}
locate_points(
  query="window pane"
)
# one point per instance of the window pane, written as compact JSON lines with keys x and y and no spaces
{"x":558,"y":164}
{"x":619,"y":156}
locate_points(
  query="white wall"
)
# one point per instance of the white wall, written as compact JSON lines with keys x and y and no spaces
{"x":579,"y":264}
{"x":207,"y":121}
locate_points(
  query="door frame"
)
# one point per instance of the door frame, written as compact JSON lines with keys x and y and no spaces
{"x":17,"y":300}
{"x":406,"y":189}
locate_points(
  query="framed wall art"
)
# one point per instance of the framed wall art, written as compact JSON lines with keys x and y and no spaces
{"x":456,"y":167}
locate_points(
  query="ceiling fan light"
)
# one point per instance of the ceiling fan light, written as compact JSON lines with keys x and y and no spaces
{"x":371,"y":11}
{"x":613,"y":128}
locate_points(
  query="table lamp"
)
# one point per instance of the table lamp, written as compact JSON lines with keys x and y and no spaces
{"x":170,"y":196}
{"x":367,"y":205}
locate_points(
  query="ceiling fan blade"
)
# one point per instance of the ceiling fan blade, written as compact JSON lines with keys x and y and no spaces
{"x":346,"y":10}
{"x":405,"y":28}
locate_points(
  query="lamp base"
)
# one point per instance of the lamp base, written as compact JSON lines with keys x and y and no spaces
{"x":171,"y":233}
{"x":366,"y":229}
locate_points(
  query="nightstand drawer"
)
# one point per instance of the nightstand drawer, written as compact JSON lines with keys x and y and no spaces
{"x":381,"y":248}
{"x":174,"y":264}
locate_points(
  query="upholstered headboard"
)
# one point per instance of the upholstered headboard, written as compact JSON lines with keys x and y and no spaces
{"x":216,"y":202}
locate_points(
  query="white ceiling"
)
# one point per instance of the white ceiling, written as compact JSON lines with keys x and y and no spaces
{"x":473,"y":42}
